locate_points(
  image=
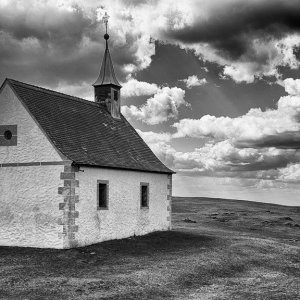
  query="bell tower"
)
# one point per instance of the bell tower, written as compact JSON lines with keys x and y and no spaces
{"x":107,"y":88}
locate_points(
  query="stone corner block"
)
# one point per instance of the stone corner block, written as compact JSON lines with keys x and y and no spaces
{"x":71,"y":199}
{"x":62,"y":206}
{"x":60,"y":221}
{"x":71,"y":235}
{"x":71,"y":214}
{"x":68,"y":169}
{"x":73,"y":244}
{"x":66,"y":175}
{"x":64,"y":190}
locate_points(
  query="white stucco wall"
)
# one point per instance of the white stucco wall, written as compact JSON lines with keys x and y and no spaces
{"x":29,"y":199}
{"x":124,"y":216}
{"x":29,"y":206}
{"x":33,"y":146}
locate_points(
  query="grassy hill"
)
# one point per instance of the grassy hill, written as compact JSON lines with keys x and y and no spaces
{"x":218,"y":249}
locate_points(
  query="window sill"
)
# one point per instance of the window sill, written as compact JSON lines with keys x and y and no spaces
{"x":102,"y":208}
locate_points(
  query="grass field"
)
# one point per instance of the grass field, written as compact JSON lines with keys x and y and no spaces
{"x":218,"y":249}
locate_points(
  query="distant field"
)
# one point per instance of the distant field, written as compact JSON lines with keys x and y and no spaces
{"x":218,"y":249}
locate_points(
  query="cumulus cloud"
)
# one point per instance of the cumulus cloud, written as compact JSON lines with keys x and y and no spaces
{"x":159,"y":108}
{"x":292,"y":86}
{"x":151,"y":137}
{"x":44,"y":43}
{"x":270,"y":128}
{"x":224,"y":160}
{"x":258,"y":36}
{"x":47,"y":42}
{"x":264,"y":57}
{"x":132,"y":42}
{"x":193,"y":80}
{"x":261,"y":145}
{"x":291,"y":173}
{"x":159,"y":144}
{"x":83,"y":89}
{"x":134,"y":87}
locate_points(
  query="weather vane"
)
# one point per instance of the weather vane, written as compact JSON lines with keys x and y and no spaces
{"x":105,"y":21}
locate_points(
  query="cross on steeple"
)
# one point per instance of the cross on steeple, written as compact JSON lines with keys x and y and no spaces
{"x":105,"y":20}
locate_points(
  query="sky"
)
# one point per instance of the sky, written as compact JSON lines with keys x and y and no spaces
{"x":212,"y":86}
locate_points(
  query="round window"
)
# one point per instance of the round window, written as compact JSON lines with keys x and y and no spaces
{"x":7,"y":135}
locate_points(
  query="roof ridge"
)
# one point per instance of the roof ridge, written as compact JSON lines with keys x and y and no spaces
{"x":35,"y":87}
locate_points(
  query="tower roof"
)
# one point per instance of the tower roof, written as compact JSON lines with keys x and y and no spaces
{"x":107,"y":73}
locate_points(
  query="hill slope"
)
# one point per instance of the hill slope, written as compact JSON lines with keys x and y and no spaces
{"x":218,"y":249}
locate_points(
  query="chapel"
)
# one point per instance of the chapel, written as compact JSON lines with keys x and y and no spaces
{"x":74,"y":172}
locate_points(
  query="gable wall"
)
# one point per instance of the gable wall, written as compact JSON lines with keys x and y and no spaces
{"x":30,"y":171}
{"x":124,"y":216}
{"x":32,"y":144}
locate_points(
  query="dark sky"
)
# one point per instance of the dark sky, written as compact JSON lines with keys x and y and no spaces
{"x":212,"y":86}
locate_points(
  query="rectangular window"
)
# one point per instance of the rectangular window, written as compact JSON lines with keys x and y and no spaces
{"x":102,"y":193}
{"x":144,"y":194}
{"x":116,"y":95}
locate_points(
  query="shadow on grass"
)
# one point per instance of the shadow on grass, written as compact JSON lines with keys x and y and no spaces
{"x":143,"y":249}
{"x":168,"y":241}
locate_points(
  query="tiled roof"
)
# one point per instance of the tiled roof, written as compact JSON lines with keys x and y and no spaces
{"x":85,"y":132}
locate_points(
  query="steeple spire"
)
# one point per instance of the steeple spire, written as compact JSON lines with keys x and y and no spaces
{"x":107,"y":88}
{"x":107,"y":73}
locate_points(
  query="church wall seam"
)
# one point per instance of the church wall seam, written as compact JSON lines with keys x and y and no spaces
{"x":169,"y":200}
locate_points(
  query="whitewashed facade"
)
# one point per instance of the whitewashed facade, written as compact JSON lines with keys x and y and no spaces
{"x":28,"y":193}
{"x":124,"y":217}
{"x":47,"y":202}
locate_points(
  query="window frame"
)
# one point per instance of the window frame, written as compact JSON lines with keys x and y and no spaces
{"x":116,"y":95}
{"x":8,"y":135}
{"x":106,"y":182}
{"x":146,"y":184}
